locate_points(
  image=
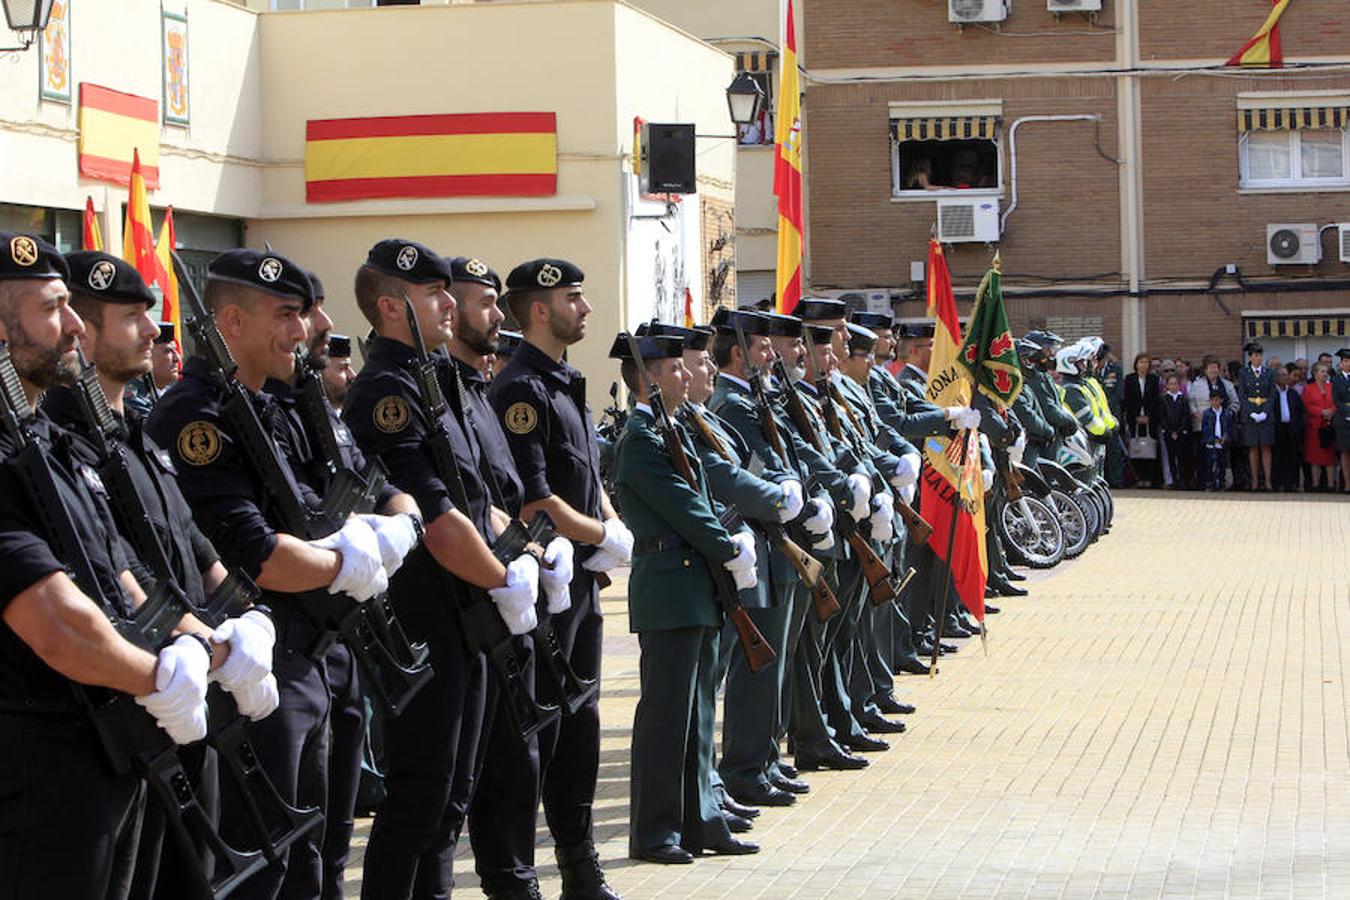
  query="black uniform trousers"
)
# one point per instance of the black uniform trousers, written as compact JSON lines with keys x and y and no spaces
{"x":347,"y":735}
{"x":1284,"y":463}
{"x":806,"y":713}
{"x":163,"y":869}
{"x":68,"y":827}
{"x":292,"y":746}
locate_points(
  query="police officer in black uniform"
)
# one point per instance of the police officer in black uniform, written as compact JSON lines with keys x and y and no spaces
{"x":432,"y":749}
{"x":67,"y":824}
{"x":111,"y":298}
{"x":542,"y":404}
{"x":258,"y":300}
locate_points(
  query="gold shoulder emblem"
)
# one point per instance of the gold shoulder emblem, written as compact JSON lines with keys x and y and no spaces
{"x":520,"y":418}
{"x":391,"y":415}
{"x":199,"y":443}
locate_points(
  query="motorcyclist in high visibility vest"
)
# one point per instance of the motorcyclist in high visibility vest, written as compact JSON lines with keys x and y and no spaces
{"x":1079,"y":399}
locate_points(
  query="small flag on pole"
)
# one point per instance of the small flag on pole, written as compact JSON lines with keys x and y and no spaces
{"x":787,"y":175}
{"x":92,"y":237}
{"x":688,"y":308}
{"x":138,"y":241}
{"x":169,"y":310}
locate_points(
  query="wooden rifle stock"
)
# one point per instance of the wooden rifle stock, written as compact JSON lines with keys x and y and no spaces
{"x":1012,"y":482}
{"x":876,"y":573}
{"x":811,"y":573}
{"x":916,"y":525}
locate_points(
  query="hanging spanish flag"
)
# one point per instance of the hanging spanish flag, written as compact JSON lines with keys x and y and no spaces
{"x":950,"y":484}
{"x":92,"y":236}
{"x":138,"y":241}
{"x":115,"y":127}
{"x":638,"y":122}
{"x":169,"y":310}
{"x":459,"y":155}
{"x":688,"y":308}
{"x":1263,"y":50}
{"x":787,"y":175}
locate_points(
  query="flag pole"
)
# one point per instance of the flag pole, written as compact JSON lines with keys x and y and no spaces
{"x":951,"y":545}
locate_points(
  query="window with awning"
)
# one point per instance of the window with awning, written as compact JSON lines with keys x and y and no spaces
{"x":946,"y":128}
{"x":1296,"y":326}
{"x":938,"y":147}
{"x":1294,"y":141}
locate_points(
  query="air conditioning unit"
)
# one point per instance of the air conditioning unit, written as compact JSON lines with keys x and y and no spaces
{"x":862,"y":300}
{"x":1343,"y":240}
{"x":1293,"y":245}
{"x":968,"y":221}
{"x":967,"y":11}
{"x":1067,"y":6}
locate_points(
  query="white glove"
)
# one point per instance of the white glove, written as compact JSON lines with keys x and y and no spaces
{"x":1258,"y":418}
{"x":1018,"y":449}
{"x":987,"y":479}
{"x":179,"y":701}
{"x":742,"y":565}
{"x":907,"y":470}
{"x":821,"y":520}
{"x":970,"y":421}
{"x":615,"y":549}
{"x":362,"y":575}
{"x":250,"y":637}
{"x":955,"y":413}
{"x":515,"y":599}
{"x":793,"y":500}
{"x":555,"y":576}
{"x":907,"y":493}
{"x":397,"y":536}
{"x":883,"y":518}
{"x":861,"y":489}
{"x":825,"y":543}
{"x":259,"y":699}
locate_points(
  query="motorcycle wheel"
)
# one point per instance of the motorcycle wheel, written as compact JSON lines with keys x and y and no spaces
{"x":1038,"y":542}
{"x":1072,"y":522}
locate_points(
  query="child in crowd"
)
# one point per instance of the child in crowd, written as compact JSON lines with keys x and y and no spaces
{"x":1216,"y":433}
{"x":1176,"y":431}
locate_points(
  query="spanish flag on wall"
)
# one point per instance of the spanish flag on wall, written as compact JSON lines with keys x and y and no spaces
{"x":138,"y":241}
{"x":787,"y":175}
{"x":458,"y":155}
{"x":91,"y":237}
{"x":1264,"y":50}
{"x":114,"y":128}
{"x":164,"y":247}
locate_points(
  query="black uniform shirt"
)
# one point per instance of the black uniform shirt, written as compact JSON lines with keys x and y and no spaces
{"x":484,"y":428}
{"x":28,"y":557}
{"x":153,"y":473}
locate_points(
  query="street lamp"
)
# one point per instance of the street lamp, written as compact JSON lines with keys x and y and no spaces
{"x":744,"y":98}
{"x":26,"y":18}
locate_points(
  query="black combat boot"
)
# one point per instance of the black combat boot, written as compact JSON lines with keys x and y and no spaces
{"x":582,"y":877}
{"x":524,"y":890}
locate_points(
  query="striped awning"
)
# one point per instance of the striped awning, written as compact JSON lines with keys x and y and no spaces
{"x":1298,"y":326}
{"x":1293,"y":118}
{"x":946,"y":128}
{"x":756,"y":60}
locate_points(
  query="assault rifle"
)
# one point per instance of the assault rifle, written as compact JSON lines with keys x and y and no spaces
{"x":483,"y":628}
{"x":131,"y":739}
{"x":758,"y":653}
{"x":397,"y":668}
{"x":277,"y":824}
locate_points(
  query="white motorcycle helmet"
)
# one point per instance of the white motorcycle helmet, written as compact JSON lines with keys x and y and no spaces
{"x":1066,"y":360}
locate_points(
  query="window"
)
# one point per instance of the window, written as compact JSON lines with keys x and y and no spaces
{"x":758,"y":66}
{"x":1303,"y":142}
{"x":955,"y":151}
{"x":62,"y":227}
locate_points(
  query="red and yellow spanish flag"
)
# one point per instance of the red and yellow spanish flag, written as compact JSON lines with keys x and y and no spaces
{"x":456,"y":155}
{"x":689,"y":308}
{"x":114,"y":127}
{"x":950,"y":484}
{"x":787,"y":175}
{"x":1263,"y":51}
{"x":169,"y":310}
{"x":138,"y":240}
{"x":92,"y":236}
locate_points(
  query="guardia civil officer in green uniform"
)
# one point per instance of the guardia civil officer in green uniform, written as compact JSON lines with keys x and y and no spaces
{"x":1256,"y":391}
{"x":1340,"y":398}
{"x":674,"y":610}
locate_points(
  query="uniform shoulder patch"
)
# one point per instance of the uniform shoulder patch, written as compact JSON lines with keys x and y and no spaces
{"x":391,"y":414}
{"x":199,"y":443}
{"x":520,"y":418}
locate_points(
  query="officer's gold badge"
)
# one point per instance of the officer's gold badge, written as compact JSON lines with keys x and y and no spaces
{"x":520,"y":418}
{"x":23,"y":250}
{"x":199,"y":443}
{"x":391,"y":415}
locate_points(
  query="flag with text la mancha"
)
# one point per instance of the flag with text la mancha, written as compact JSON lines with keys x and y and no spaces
{"x":951,"y":496}
{"x":988,"y":353}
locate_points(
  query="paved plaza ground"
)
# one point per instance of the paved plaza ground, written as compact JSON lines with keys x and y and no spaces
{"x":1166,"y":716}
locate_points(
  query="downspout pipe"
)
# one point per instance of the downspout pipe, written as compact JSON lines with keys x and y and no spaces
{"x":1012,"y":150}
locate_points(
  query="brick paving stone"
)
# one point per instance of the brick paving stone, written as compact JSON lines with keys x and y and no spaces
{"x":1164,"y":717}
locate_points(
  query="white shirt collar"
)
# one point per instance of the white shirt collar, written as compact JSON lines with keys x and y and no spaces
{"x":910,"y":365}
{"x":644,"y":408}
{"x":739,"y":382}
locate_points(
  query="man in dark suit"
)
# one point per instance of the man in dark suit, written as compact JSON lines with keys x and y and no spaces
{"x":1288,"y":416}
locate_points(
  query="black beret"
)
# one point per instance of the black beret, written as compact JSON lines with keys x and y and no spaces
{"x":694,"y":338}
{"x":817,"y":308}
{"x":168,"y":333}
{"x":263,"y":271}
{"x":916,"y":330}
{"x":543,"y":274}
{"x":751,"y":322}
{"x":872,"y":320}
{"x":413,"y":262}
{"x":820,"y":334}
{"x":473,"y":269}
{"x":339,"y":345}
{"x":781,"y":325}
{"x":316,"y":283}
{"x":105,"y":277}
{"x":1253,"y":347}
{"x":860,"y":338}
{"x":508,"y":341}
{"x":1343,"y":353}
{"x":29,"y":256}
{"x":654,"y":346}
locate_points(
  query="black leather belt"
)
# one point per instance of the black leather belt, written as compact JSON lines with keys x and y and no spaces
{"x":298,"y":634}
{"x":669,"y":541}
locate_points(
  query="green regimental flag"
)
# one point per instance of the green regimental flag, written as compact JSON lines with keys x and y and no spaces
{"x":988,"y":353}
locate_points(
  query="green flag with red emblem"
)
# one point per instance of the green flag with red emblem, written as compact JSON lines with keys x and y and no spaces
{"x":988,"y":353}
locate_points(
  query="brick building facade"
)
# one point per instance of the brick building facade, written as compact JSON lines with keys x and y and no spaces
{"x":1146,"y":174}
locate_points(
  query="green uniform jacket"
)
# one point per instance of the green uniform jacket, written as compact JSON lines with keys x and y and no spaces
{"x":1047,"y":395}
{"x":670,"y":588}
{"x":911,"y":420}
{"x":1340,"y":396}
{"x":1040,"y":432}
{"x":879,"y":432}
{"x":1257,"y":394}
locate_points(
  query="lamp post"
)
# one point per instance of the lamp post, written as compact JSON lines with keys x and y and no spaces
{"x":744,"y":98}
{"x":26,"y":18}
